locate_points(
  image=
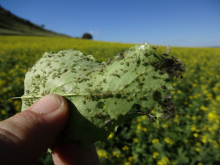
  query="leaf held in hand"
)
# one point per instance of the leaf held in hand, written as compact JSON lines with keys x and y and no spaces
{"x":104,"y":95}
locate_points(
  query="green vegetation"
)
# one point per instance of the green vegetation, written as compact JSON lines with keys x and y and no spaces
{"x":13,"y":25}
{"x":191,"y":138}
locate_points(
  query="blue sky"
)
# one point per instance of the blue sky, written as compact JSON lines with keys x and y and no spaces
{"x":162,"y":22}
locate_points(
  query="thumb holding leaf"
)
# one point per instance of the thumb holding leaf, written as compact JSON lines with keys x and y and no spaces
{"x":27,"y":135}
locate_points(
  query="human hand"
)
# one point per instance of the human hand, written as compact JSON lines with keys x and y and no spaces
{"x":27,"y":135}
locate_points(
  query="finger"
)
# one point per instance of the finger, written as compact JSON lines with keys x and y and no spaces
{"x":27,"y":135}
{"x":71,"y":154}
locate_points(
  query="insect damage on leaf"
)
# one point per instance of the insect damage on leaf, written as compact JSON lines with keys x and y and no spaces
{"x":104,"y":95}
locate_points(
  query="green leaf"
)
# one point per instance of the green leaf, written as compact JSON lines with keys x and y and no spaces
{"x":103,"y":95}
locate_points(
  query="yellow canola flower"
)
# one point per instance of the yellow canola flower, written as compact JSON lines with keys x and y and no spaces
{"x":204,"y":139}
{"x":114,"y":153}
{"x":135,"y":140}
{"x":205,"y":92}
{"x":188,"y":117}
{"x":127,"y":163}
{"x":131,"y":158}
{"x":125,"y":148}
{"x":3,"y":112}
{"x":139,"y":119}
{"x":195,"y":135}
{"x":174,"y":84}
{"x":102,"y":153}
{"x":198,"y":144}
{"x":194,"y":85}
{"x":193,"y":127}
{"x":204,"y":108}
{"x":139,"y":127}
{"x":212,"y":116}
{"x":218,"y":98}
{"x":165,"y":125}
{"x":195,"y":97}
{"x":155,"y":141}
{"x":202,"y":78}
{"x":197,"y":149}
{"x":194,"y":118}
{"x":168,"y":141}
{"x":155,"y":155}
{"x":163,"y":161}
{"x":179,"y":91}
{"x":111,"y":136}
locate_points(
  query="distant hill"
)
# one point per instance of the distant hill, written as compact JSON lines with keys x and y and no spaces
{"x":10,"y":24}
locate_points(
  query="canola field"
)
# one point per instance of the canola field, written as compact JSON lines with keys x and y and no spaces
{"x":191,"y":138}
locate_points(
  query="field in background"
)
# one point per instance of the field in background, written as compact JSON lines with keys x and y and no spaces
{"x":192,"y":138}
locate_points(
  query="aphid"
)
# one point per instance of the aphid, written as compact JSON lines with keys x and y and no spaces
{"x":90,"y":85}
{"x":88,"y":73}
{"x":81,"y":80}
{"x":108,"y":62}
{"x":165,"y":54}
{"x":106,"y":95}
{"x":129,"y":99}
{"x":127,"y":63}
{"x":143,"y":98}
{"x":170,"y":115}
{"x":108,"y":121}
{"x":166,"y":79}
{"x":163,"y":86}
{"x":138,"y":61}
{"x":155,"y":48}
{"x":145,"y":63}
{"x":101,"y":70}
{"x":140,"y":83}
{"x":161,"y":64}
{"x":113,"y":74}
{"x":168,"y":48}
{"x":176,"y":59}
{"x":169,"y":96}
{"x":154,"y":77}
{"x":161,"y":72}
{"x":121,"y":56}
{"x":96,"y":115}
{"x":155,"y":55}
{"x":117,"y":95}
{"x":154,"y":92}
{"x":152,"y":63}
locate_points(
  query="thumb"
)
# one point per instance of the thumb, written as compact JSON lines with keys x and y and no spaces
{"x":27,"y":135}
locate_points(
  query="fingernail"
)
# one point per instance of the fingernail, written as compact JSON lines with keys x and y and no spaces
{"x":47,"y":104}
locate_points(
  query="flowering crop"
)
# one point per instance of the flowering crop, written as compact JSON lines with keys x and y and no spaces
{"x":192,"y":137}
